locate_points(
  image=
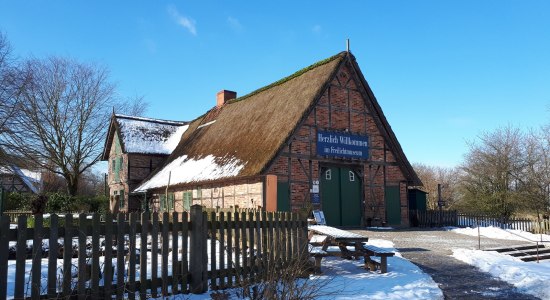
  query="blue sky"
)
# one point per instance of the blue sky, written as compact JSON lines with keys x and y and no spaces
{"x":443,"y":71}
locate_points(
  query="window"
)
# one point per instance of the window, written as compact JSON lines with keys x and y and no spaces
{"x":121,"y":197}
{"x":328,"y":174}
{"x":120,"y":163}
{"x":351,"y":176}
{"x":117,"y":166}
{"x":187,"y":200}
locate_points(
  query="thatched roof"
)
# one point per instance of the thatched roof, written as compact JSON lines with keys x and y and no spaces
{"x":144,"y":135}
{"x":242,"y":137}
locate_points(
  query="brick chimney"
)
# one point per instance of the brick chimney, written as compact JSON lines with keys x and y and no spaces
{"x":223,"y":96}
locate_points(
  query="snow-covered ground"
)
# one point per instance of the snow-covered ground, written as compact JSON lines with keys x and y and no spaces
{"x":528,"y":277}
{"x":346,"y":279}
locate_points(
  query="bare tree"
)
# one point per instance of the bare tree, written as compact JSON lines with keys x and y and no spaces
{"x":431,"y":176}
{"x":11,"y":85}
{"x":63,"y":117}
{"x":535,"y":177}
{"x":492,"y":171}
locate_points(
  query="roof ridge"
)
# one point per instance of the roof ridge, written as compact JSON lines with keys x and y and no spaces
{"x":292,"y":76}
{"x":170,"y":122}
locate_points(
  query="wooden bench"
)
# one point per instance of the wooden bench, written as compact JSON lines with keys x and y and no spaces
{"x":378,"y":252}
{"x":317,"y":253}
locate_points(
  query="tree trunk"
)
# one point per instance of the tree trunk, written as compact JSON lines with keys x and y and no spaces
{"x":72,"y":185}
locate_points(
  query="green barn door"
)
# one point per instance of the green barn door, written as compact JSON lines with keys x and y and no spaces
{"x":350,"y":192}
{"x":393,"y":205}
{"x":283,"y":199}
{"x":341,"y":196}
{"x":330,"y":196}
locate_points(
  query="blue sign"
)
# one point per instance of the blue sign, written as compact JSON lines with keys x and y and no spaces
{"x":337,"y":144}
{"x":315,"y":199}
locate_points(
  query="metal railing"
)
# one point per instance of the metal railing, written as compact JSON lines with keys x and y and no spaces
{"x":513,"y":233}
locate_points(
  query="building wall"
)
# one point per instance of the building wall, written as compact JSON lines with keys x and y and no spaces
{"x":131,"y":169}
{"x":342,"y":108}
{"x":242,"y":193}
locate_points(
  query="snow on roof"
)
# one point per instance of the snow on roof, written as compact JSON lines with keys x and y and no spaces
{"x":30,"y":178}
{"x":184,"y":170}
{"x":144,"y":135}
{"x":4,"y":170}
{"x":32,"y":175}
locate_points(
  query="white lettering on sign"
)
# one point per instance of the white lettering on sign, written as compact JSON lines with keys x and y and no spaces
{"x":342,"y":145}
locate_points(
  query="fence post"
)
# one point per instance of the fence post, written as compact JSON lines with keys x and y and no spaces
{"x":198,"y":256}
{"x":2,"y":201}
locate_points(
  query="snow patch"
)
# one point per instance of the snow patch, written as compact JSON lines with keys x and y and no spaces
{"x":184,"y":170}
{"x":503,"y":234}
{"x":140,"y":135}
{"x":528,"y":277}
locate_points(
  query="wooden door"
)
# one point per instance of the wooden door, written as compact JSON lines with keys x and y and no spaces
{"x":393,"y":205}
{"x":341,"y":196}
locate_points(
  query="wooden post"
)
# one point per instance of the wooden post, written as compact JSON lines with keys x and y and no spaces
{"x":4,"y":250}
{"x":198,"y":255}
{"x":439,"y":203}
{"x":36,"y":272}
{"x":2,"y":201}
{"x":52,"y":257}
{"x":20,"y":257}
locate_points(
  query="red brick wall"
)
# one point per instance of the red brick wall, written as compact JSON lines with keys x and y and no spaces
{"x":342,"y":108}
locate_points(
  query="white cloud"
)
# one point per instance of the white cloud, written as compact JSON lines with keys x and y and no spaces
{"x":234,"y":23}
{"x":183,"y":21}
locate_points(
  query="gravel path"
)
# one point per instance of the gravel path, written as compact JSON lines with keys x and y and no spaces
{"x":431,"y":250}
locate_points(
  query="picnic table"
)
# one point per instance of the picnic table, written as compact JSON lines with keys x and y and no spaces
{"x":330,"y":241}
{"x":338,"y":237}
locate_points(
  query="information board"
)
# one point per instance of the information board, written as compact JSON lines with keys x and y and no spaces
{"x":338,"y":144}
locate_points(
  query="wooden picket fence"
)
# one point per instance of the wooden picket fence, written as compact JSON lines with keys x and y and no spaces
{"x":433,"y":218}
{"x":525,"y":224}
{"x":182,"y":253}
{"x":436,"y":218}
{"x":14,"y":214}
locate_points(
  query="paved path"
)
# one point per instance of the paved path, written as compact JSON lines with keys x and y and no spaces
{"x":431,"y":250}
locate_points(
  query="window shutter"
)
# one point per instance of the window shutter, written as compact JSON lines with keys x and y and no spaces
{"x":163,"y":202}
{"x":187,"y":196}
{"x":171,"y":201}
{"x":121,"y":199}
